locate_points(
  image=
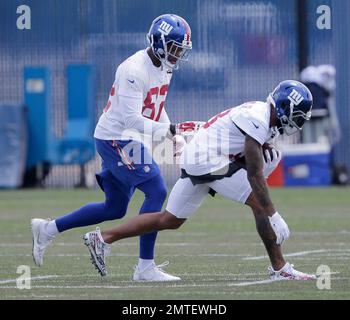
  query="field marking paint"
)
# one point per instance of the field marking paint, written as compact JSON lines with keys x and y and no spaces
{"x":240,"y":284}
{"x":128,"y":255}
{"x":165,"y":244}
{"x":245,"y":257}
{"x":295,"y":254}
{"x":3,"y":281}
{"x":116,"y":287}
{"x":168,"y":285}
{"x":321,"y":258}
{"x":121,"y":244}
{"x":250,"y":283}
{"x":341,"y":254}
{"x":132,"y":244}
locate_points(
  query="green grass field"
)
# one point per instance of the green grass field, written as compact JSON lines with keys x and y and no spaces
{"x":217,"y":252}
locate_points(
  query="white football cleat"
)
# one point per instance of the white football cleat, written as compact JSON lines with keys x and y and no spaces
{"x":289,"y":273}
{"x":99,"y":250}
{"x":41,"y":239}
{"x":153,"y":273}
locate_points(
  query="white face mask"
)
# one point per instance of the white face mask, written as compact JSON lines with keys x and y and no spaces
{"x":294,"y":123}
{"x":175,"y":52}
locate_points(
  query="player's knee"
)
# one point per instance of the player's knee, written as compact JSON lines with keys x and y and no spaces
{"x":254,"y":204}
{"x":114,"y":210}
{"x":169,"y":221}
{"x":157,"y":193}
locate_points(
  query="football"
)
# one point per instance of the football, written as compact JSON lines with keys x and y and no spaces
{"x":269,"y":147}
{"x":179,"y":144}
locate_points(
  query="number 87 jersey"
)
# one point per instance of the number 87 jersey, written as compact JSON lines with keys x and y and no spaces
{"x":136,"y":100}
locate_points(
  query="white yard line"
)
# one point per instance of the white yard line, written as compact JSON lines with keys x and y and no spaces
{"x":132,"y":244}
{"x":156,"y":285}
{"x":63,"y":255}
{"x":319,"y":258}
{"x":3,"y":281}
{"x":161,"y":244}
{"x":120,"y":244}
{"x":250,"y":283}
{"x":295,"y":254}
{"x":333,"y":253}
{"x":145,"y":285}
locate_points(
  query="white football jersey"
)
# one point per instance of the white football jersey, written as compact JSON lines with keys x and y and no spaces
{"x":136,"y":98}
{"x":222,"y":137}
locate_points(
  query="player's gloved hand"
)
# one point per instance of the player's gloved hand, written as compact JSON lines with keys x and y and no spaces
{"x":185,"y":127}
{"x":280,"y":228}
{"x":179,"y":144}
{"x":271,"y":160}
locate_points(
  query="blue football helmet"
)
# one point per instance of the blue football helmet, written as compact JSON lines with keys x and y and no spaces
{"x":170,"y":39}
{"x":293,"y":103}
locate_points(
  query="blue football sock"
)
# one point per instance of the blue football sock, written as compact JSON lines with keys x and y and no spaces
{"x":155,"y":195}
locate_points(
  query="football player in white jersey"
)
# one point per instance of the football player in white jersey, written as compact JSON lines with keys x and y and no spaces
{"x":225,"y":156}
{"x":135,"y":107}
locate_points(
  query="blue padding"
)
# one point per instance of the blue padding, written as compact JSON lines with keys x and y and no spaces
{"x":13,"y":145}
{"x":80,"y":92}
{"x":77,"y":145}
{"x":78,"y":129}
{"x":37,"y":98}
{"x":307,"y":170}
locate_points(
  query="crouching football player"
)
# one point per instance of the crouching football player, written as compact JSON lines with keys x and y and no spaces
{"x":232,"y":165}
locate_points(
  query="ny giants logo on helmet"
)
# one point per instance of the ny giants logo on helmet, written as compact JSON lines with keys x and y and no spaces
{"x":295,"y":98}
{"x":165,"y":28}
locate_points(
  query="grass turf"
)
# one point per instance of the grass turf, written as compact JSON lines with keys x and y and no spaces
{"x":217,"y":252}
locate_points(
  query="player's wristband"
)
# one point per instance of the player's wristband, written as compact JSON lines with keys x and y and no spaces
{"x":172,"y":129}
